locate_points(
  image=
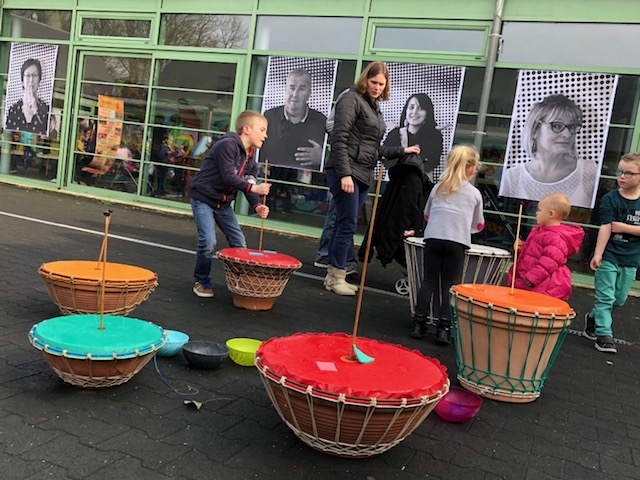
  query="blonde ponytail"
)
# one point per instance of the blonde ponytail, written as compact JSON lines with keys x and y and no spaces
{"x":460,"y":160}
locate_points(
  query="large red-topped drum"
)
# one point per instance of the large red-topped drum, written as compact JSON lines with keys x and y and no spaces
{"x":256,"y":278}
{"x":343,"y":407}
{"x":506,"y":341}
{"x":75,"y":286}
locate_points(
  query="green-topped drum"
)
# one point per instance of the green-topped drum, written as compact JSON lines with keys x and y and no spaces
{"x":92,"y":352}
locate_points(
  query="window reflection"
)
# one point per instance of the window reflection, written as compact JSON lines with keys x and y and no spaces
{"x":430,"y":39}
{"x":105,"y":27}
{"x":206,"y":31}
{"x":49,"y":24}
{"x":129,"y":70}
{"x":309,"y":34}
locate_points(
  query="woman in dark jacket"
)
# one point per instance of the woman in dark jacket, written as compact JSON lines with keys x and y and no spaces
{"x":355,"y":148}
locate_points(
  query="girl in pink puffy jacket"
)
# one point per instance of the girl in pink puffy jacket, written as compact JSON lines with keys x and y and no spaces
{"x":542,"y":259}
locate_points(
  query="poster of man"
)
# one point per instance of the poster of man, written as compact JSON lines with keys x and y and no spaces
{"x":297,"y":100}
{"x":30,"y":87}
{"x":557,"y":136}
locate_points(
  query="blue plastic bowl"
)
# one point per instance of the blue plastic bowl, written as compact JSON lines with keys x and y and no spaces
{"x":175,"y":341}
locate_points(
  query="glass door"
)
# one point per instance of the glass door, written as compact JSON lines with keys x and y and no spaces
{"x":110,"y":110}
{"x":143,"y":124}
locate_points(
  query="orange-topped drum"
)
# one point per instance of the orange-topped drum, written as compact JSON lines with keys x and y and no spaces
{"x":346,"y":408}
{"x":256,"y":278}
{"x":75,"y":286}
{"x":506,"y":341}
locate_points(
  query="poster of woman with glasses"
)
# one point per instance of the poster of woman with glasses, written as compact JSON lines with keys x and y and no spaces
{"x":558,"y":133}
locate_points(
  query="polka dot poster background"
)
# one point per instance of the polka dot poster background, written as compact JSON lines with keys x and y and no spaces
{"x":442,"y":83}
{"x":592,"y":92}
{"x":20,"y":52}
{"x":323,"y":77}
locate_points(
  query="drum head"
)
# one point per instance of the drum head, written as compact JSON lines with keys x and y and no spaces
{"x":316,"y":360}
{"x":487,"y":250}
{"x":416,"y":241}
{"x":522,"y":300}
{"x":79,"y":336}
{"x":265,"y":258}
{"x":92,"y":270}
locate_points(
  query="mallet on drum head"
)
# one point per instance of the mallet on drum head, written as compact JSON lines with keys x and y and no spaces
{"x":264,"y":201}
{"x":102,"y":259}
{"x":515,"y":252}
{"x":356,"y":354}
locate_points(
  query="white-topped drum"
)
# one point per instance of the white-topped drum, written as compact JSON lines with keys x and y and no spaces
{"x":482,"y":264}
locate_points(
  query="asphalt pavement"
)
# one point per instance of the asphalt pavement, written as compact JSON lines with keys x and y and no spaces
{"x":585,"y":425}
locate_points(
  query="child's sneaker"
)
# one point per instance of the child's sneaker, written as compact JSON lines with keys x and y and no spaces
{"x":605,"y":344}
{"x":589,"y":327}
{"x":203,"y":289}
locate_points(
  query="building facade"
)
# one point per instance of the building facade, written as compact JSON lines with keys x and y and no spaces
{"x":118,"y":79}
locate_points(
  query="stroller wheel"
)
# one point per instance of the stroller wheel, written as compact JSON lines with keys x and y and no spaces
{"x":402,"y":286}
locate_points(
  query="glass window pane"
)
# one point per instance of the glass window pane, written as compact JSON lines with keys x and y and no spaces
{"x":129,"y":70}
{"x":197,"y":75}
{"x":625,"y":105}
{"x":105,"y":27}
{"x":582,"y":44}
{"x":430,"y":39}
{"x":49,"y":24}
{"x":618,"y":143}
{"x":309,"y":34}
{"x":195,"y":110}
{"x":207,"y":31}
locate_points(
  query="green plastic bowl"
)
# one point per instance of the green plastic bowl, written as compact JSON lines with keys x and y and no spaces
{"x":243,"y":350}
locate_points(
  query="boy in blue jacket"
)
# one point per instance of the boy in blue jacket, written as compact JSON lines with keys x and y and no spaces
{"x":230,"y":166}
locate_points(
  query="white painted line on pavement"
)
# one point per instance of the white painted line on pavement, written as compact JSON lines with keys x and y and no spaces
{"x":167,"y":247}
{"x":95,"y":232}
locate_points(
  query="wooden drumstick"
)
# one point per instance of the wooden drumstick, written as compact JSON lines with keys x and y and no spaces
{"x":264,"y":202}
{"x":515,"y":252}
{"x":103,"y":257}
{"x":361,"y":357}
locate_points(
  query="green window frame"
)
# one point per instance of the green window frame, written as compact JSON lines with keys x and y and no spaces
{"x":376,"y":24}
{"x":102,"y":16}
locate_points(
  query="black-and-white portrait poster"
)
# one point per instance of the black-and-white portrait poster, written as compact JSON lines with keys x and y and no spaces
{"x":29,"y":93}
{"x":557,"y":136}
{"x":423,"y":110}
{"x":297,"y":100}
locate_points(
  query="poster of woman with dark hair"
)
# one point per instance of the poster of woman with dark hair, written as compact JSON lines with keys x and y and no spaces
{"x":30,"y":87}
{"x":557,"y":137}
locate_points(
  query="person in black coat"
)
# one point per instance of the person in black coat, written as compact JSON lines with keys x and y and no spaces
{"x":411,"y":179}
{"x":355,"y":149}
{"x":400,"y":211}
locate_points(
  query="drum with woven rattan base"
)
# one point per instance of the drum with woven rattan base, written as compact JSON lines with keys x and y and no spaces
{"x":76,"y":286}
{"x":87,"y":356}
{"x":345,"y":408}
{"x":256,"y":278}
{"x":506,"y":341}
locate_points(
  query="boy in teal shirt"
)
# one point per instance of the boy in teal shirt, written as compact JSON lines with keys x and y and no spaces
{"x":617,"y":254}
